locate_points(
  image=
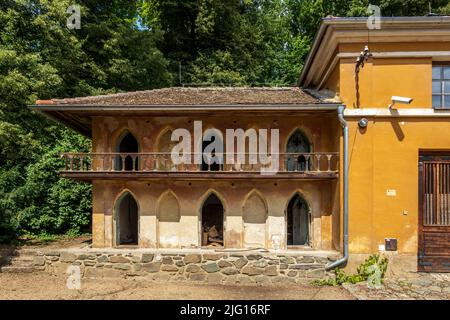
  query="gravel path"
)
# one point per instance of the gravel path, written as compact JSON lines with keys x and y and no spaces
{"x":41,"y":285}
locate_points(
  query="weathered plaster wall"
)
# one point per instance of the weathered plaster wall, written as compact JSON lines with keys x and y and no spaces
{"x":160,"y":229}
{"x":157,"y":230}
{"x":151,"y":132}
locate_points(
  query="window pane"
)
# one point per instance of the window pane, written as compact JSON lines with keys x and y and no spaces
{"x":447,"y":73}
{"x":447,"y":102}
{"x":437,"y":101}
{"x":437,"y":86}
{"x":446,"y":86}
{"x":437,"y":72}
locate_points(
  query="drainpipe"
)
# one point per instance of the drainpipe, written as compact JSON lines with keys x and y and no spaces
{"x":344,"y":124}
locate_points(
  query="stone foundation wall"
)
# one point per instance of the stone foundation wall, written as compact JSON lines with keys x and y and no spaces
{"x":204,"y":267}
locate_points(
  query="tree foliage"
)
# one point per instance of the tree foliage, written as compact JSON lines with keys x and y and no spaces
{"x":126,"y":45}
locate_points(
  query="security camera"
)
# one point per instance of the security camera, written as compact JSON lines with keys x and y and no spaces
{"x":403,"y":100}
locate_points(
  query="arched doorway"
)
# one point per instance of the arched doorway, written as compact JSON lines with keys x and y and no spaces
{"x":127,"y":220}
{"x":127,"y":144}
{"x":212,"y":222}
{"x":298,"y":220}
{"x":297,"y":145}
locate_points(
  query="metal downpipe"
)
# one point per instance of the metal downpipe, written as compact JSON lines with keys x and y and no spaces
{"x":344,"y":124}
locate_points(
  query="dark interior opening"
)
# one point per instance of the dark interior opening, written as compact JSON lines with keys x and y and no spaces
{"x":127,"y":217}
{"x":128,"y":144}
{"x":212,"y":166}
{"x":298,"y":222}
{"x":212,"y":222}
{"x":297,"y":144}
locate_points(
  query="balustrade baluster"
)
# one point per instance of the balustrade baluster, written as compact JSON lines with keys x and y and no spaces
{"x":123,"y":159}
{"x":143,"y":160}
{"x":71,"y":162}
{"x":155,"y":162}
{"x":134,"y":163}
{"x":66,"y":166}
{"x":102,"y":160}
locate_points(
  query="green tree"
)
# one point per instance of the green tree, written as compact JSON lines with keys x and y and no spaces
{"x":41,"y":58}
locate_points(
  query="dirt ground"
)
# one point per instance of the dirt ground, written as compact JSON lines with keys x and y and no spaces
{"x":41,"y":285}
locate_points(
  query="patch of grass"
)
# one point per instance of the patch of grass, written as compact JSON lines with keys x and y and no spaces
{"x":45,"y":238}
{"x":364,"y":271}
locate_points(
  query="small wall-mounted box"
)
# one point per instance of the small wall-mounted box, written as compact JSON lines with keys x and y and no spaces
{"x":390,"y":244}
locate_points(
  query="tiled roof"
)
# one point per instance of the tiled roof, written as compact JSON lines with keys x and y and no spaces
{"x":196,"y":96}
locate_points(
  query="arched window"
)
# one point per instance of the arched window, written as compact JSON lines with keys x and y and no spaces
{"x":212,"y":150}
{"x":127,"y":220}
{"x":212,"y":221}
{"x":298,"y":222}
{"x":297,"y":145}
{"x":168,"y":221}
{"x":128,"y":147}
{"x":254,"y":216}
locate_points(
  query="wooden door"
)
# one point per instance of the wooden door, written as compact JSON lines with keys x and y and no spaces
{"x":434,"y":213}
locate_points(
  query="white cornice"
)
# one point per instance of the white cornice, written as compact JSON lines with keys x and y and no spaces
{"x":397,"y":113}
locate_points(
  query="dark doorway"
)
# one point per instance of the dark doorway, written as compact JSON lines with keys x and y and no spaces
{"x":297,"y":145}
{"x":209,"y":166}
{"x":298,"y":222}
{"x":212,"y":222}
{"x":434,"y":212}
{"x":127,"y":144}
{"x":127,"y":220}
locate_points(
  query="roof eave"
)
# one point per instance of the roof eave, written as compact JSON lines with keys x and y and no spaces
{"x":180,"y":107}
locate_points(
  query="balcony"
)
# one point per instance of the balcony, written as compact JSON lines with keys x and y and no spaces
{"x":88,"y":166}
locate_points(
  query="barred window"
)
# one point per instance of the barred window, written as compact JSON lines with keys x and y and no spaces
{"x":441,"y":86}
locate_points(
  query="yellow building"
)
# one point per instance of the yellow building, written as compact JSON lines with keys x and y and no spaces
{"x":392,"y":134}
{"x":398,"y":159}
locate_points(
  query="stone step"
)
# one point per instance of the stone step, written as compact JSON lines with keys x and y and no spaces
{"x":17,"y":269}
{"x":20,"y":263}
{"x":21,"y":258}
{"x":25,"y":253}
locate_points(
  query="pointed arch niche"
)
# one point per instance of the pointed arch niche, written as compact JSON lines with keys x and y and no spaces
{"x":254,"y":216}
{"x":169,"y":221}
{"x":164,"y":144}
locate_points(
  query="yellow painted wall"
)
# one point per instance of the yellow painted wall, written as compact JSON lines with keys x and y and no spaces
{"x":385,"y":155}
{"x":380,"y":79}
